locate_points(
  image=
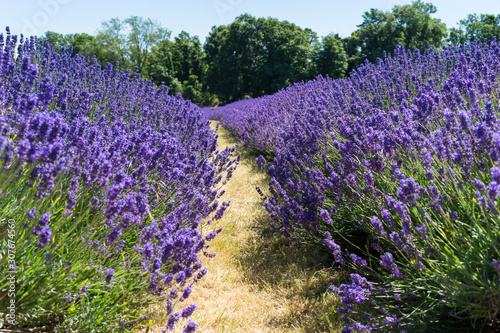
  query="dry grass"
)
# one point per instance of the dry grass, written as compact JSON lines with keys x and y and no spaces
{"x":260,"y":282}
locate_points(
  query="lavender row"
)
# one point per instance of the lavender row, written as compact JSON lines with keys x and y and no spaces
{"x":103,"y":163}
{"x":403,"y":157}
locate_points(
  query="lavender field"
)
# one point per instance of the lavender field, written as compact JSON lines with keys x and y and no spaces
{"x":112,"y":189}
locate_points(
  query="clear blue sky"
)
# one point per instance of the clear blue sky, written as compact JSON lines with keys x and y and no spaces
{"x":198,"y":16}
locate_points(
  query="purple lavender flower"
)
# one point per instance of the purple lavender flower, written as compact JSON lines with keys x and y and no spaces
{"x":44,"y":236}
{"x":493,"y":190}
{"x":481,"y":200}
{"x":324,"y":214}
{"x":147,"y":251}
{"x":337,"y":252}
{"x":433,"y":192}
{"x":186,"y":292}
{"x":174,"y":293}
{"x":113,"y":236}
{"x":387,"y":260}
{"x":421,"y":230}
{"x":44,"y":220}
{"x":396,"y":272}
{"x":495,"y":174}
{"x":358,"y":260}
{"x":409,"y":191}
{"x":181,"y":277}
{"x":190,"y":327}
{"x":368,"y":178}
{"x":496,"y":264}
{"x":31,"y":213}
{"x":377,"y":224}
{"x":188,"y":311}
{"x":171,"y":321}
{"x":463,"y":115}
{"x":109,"y":275}
{"x":360,"y":327}
{"x":479,"y":185}
{"x":261,"y":161}
{"x":399,"y":174}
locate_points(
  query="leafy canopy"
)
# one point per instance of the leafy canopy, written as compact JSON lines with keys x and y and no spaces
{"x":255,"y":56}
{"x":475,"y":27}
{"x":409,"y":25}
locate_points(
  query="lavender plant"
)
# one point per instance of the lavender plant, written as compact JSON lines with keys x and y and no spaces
{"x":395,"y":169}
{"x":110,"y":181}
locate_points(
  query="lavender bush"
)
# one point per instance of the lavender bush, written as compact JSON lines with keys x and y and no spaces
{"x":109,"y":181}
{"x":396,"y":170}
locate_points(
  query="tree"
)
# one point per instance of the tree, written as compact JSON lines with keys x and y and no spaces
{"x":143,"y":35}
{"x":353,"y":48}
{"x":418,"y":28}
{"x":161,"y":67}
{"x":83,"y":44}
{"x":130,"y":41}
{"x":331,"y":58}
{"x":253,"y":57}
{"x":179,"y":61}
{"x":113,"y":43}
{"x":188,"y":56}
{"x":287,"y":51}
{"x":409,"y":25}
{"x":232,"y":57}
{"x":57,"y":40}
{"x":192,"y":89}
{"x":475,"y":27}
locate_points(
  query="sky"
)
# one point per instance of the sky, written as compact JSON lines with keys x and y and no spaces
{"x":197,"y":17}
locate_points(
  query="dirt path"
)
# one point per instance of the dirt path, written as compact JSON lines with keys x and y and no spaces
{"x":259,"y":282}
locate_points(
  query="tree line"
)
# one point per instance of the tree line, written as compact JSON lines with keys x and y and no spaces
{"x":253,"y":56}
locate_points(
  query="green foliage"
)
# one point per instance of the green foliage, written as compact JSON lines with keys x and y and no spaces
{"x":45,"y":278}
{"x":192,"y":89}
{"x":331,"y":58}
{"x":257,"y":56}
{"x":252,"y":56}
{"x":54,"y":38}
{"x":180,"y":65}
{"x":143,"y":35}
{"x":161,"y":67}
{"x":113,"y":44}
{"x":129,"y":42}
{"x":418,"y":29}
{"x":458,"y":281}
{"x":409,"y":25}
{"x":187,"y":55}
{"x":82,"y":43}
{"x":377,"y":33}
{"x":474,"y":27}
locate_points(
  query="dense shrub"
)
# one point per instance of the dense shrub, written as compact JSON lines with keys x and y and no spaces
{"x":105,"y":184}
